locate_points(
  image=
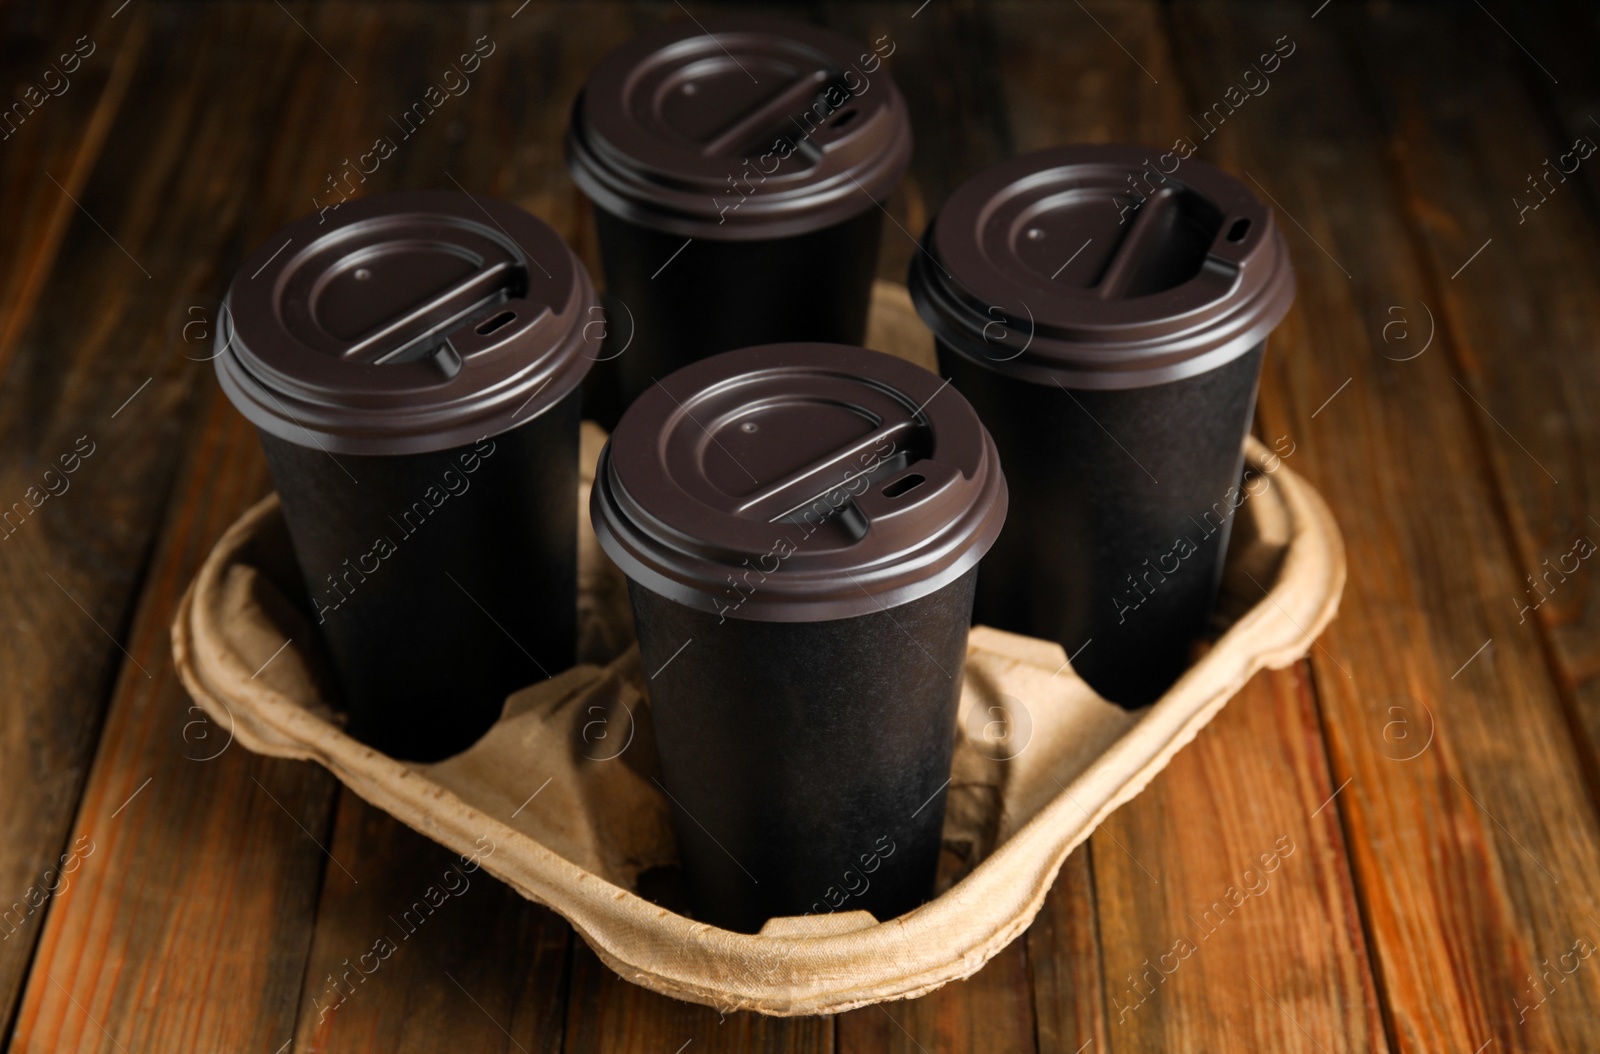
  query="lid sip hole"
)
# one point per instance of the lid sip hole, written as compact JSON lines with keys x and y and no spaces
{"x":489,"y":325}
{"x":844,"y":117}
{"x":1240,"y":228}
{"x":903,"y":485}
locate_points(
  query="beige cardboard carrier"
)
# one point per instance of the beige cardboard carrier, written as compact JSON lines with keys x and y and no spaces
{"x":557,"y":800}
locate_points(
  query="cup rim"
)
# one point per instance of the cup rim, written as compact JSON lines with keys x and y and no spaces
{"x":633,"y":162}
{"x":511,"y":350}
{"x":971,"y":286}
{"x":672,"y":528}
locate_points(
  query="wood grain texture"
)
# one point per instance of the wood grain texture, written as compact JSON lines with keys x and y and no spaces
{"x":1064,"y":962}
{"x":96,"y":376}
{"x":1558,"y":70}
{"x":1482,"y":145}
{"x":990,"y":1011}
{"x":43,"y":765}
{"x":1425,"y":906}
{"x":415,"y":949}
{"x":77,"y":60}
{"x":285,"y":810}
{"x":187,"y":923}
{"x":1562,"y":36}
{"x":1475,"y":857}
{"x":239,"y":835}
{"x":1228,"y":920}
{"x":1290,"y":961}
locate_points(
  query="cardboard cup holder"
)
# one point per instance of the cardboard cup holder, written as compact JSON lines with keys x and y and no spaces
{"x":1040,"y":759}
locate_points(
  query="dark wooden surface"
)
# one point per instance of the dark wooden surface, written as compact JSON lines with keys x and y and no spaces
{"x":1433,"y":764}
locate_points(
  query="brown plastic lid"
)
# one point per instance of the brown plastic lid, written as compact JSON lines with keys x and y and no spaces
{"x":798,"y":483}
{"x":1102,"y":267}
{"x":404,"y":323}
{"x":738,"y":128}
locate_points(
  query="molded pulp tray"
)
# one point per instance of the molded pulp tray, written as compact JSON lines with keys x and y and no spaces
{"x":1040,"y":760}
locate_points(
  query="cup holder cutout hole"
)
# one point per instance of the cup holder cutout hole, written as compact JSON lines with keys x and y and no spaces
{"x":494,"y":322}
{"x":1240,"y":228}
{"x":904,"y":485}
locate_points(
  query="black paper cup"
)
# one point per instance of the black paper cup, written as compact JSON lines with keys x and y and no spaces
{"x":439,"y":582}
{"x":1106,"y":315}
{"x":802,"y":575}
{"x":1120,"y":567}
{"x":818,"y":752}
{"x":412,"y":363}
{"x":738,"y":170}
{"x":720,"y":295}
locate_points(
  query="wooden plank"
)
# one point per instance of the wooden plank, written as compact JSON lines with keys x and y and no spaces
{"x":1484,"y":163}
{"x":1064,"y":962}
{"x":1551,"y":46}
{"x":1160,"y":979}
{"x":1559,"y":66}
{"x":1525,"y":325}
{"x":187,"y":921}
{"x":1228,"y":920}
{"x":59,"y":138}
{"x":70,"y":63}
{"x":187,"y":925}
{"x":991,"y":1011}
{"x":415,"y":945}
{"x":1476,"y":858}
{"x":410,"y":41}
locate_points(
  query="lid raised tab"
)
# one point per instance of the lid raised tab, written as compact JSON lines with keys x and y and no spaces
{"x":1094,"y":267}
{"x":739,"y":128}
{"x":405,"y":323}
{"x":798,"y":482}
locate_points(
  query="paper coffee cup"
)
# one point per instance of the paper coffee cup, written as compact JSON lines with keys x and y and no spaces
{"x":738,"y":168}
{"x":801,"y":526}
{"x":1106,"y":309}
{"x":412,"y":362}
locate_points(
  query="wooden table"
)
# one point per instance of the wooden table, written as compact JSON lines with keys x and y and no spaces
{"x":1433,"y":763}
